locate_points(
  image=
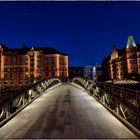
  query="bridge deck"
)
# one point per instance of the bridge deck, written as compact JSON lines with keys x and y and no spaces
{"x":65,"y":112}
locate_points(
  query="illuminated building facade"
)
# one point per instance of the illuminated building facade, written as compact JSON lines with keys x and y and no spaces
{"x":123,"y":63}
{"x":21,"y":67}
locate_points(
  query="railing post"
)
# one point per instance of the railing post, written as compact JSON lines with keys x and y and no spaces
{"x":138,"y":121}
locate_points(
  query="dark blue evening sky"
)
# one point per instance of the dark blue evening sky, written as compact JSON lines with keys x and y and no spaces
{"x":83,"y":30}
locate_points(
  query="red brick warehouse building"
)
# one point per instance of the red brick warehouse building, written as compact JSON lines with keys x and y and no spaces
{"x":122,"y":63}
{"x":21,"y":67}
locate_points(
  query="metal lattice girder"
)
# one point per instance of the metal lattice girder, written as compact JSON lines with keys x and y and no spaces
{"x":127,"y":97}
{"x":1,"y":113}
{"x":24,"y":98}
{"x":124,"y":102}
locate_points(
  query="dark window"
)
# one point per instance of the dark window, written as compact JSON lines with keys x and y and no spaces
{"x":32,"y":59}
{"x":47,"y":69}
{"x":39,"y":56}
{"x":12,"y":60}
{"x":46,"y":73}
{"x":5,"y":69}
{"x":5,"y":76}
{"x":132,"y":55}
{"x":20,"y":76}
{"x":39,"y":60}
{"x":53,"y":60}
{"x":47,"y":60}
{"x":20,"y":60}
{"x":53,"y":74}
{"x":6,"y":61}
{"x":132,"y":61}
{"x":20,"y":69}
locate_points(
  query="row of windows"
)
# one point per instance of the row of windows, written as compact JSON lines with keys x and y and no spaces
{"x":54,"y":74}
{"x":15,"y":69}
{"x":14,"y":76}
{"x":133,"y":61}
{"x":49,"y":60}
{"x":54,"y":68}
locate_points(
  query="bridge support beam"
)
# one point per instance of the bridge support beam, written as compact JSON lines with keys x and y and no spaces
{"x":123,"y":103}
{"x":25,"y":98}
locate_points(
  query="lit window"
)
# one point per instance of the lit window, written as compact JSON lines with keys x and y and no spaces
{"x":132,"y":67}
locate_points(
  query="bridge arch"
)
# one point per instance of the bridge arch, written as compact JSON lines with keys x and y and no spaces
{"x":25,"y":97}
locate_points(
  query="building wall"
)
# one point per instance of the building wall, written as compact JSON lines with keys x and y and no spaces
{"x":138,"y":62}
{"x":123,"y":64}
{"x":23,"y":69}
{"x":98,"y":72}
{"x":88,"y":72}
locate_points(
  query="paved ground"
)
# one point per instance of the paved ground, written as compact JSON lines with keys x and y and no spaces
{"x":65,"y":112}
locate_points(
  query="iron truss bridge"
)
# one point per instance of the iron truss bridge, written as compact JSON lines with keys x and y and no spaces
{"x":122,"y":102}
{"x":16,"y":100}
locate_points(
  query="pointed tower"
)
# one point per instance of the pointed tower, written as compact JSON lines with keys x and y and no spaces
{"x":130,"y":43}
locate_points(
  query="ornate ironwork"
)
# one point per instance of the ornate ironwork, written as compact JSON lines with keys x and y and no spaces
{"x":124,"y":102}
{"x":27,"y":96}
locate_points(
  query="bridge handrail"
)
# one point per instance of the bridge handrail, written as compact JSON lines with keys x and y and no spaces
{"x":27,"y":95}
{"x":124,"y":102}
{"x":121,"y":88}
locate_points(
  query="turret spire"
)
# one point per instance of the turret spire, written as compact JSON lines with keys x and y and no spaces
{"x":130,"y":43}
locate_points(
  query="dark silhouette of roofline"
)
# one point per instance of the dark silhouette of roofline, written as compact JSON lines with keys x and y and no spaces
{"x":24,"y":49}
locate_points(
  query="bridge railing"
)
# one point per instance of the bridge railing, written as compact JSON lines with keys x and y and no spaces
{"x":124,"y":102}
{"x":11,"y":108}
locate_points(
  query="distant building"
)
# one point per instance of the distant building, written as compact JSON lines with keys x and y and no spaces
{"x":21,"y":67}
{"x":122,"y":63}
{"x":75,"y":71}
{"x":88,"y":72}
{"x":97,"y":72}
